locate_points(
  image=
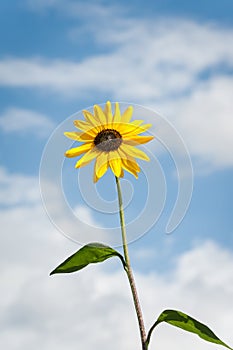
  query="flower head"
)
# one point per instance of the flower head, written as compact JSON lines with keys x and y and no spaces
{"x":110,"y":140}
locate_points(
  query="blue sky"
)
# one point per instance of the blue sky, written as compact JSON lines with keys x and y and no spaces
{"x":58,"y":57}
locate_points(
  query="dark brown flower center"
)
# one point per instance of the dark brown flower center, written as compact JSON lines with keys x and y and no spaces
{"x":108,"y":140}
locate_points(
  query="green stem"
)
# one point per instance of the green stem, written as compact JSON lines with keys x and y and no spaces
{"x":129,"y":271}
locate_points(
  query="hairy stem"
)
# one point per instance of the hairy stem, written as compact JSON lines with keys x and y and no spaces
{"x":129,"y":271}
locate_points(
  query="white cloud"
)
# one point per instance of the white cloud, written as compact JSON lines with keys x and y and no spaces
{"x":94,"y":307}
{"x":205,"y":120}
{"x":21,"y":121}
{"x":148,"y":61}
{"x":16,"y":189}
{"x":157,"y":65}
{"x":83,"y":213}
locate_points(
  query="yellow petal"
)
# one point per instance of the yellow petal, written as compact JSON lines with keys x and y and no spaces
{"x":117,"y":115}
{"x":86,"y":127}
{"x":87,"y":158}
{"x":127,"y":129}
{"x":95,"y":177}
{"x":136,"y":140}
{"x":75,"y":152}
{"x":91,"y":119}
{"x":130,"y":167}
{"x":133,"y":152}
{"x":142,"y":128}
{"x":115,"y":163}
{"x":137,"y":122}
{"x":122,"y":154}
{"x":133,"y":163}
{"x":78,"y":136}
{"x":101,"y":164}
{"x":129,"y":160}
{"x":127,"y":115}
{"x":145,"y":127}
{"x":73,"y":135}
{"x":99,"y":114}
{"x":108,"y":113}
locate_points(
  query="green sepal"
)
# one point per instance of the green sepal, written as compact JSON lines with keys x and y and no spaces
{"x":187,"y":323}
{"x":89,"y":254}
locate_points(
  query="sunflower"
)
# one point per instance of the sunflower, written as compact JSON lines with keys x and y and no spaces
{"x":110,"y":140}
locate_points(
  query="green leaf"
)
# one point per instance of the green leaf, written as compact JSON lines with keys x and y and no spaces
{"x":187,"y":323}
{"x":89,"y":254}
